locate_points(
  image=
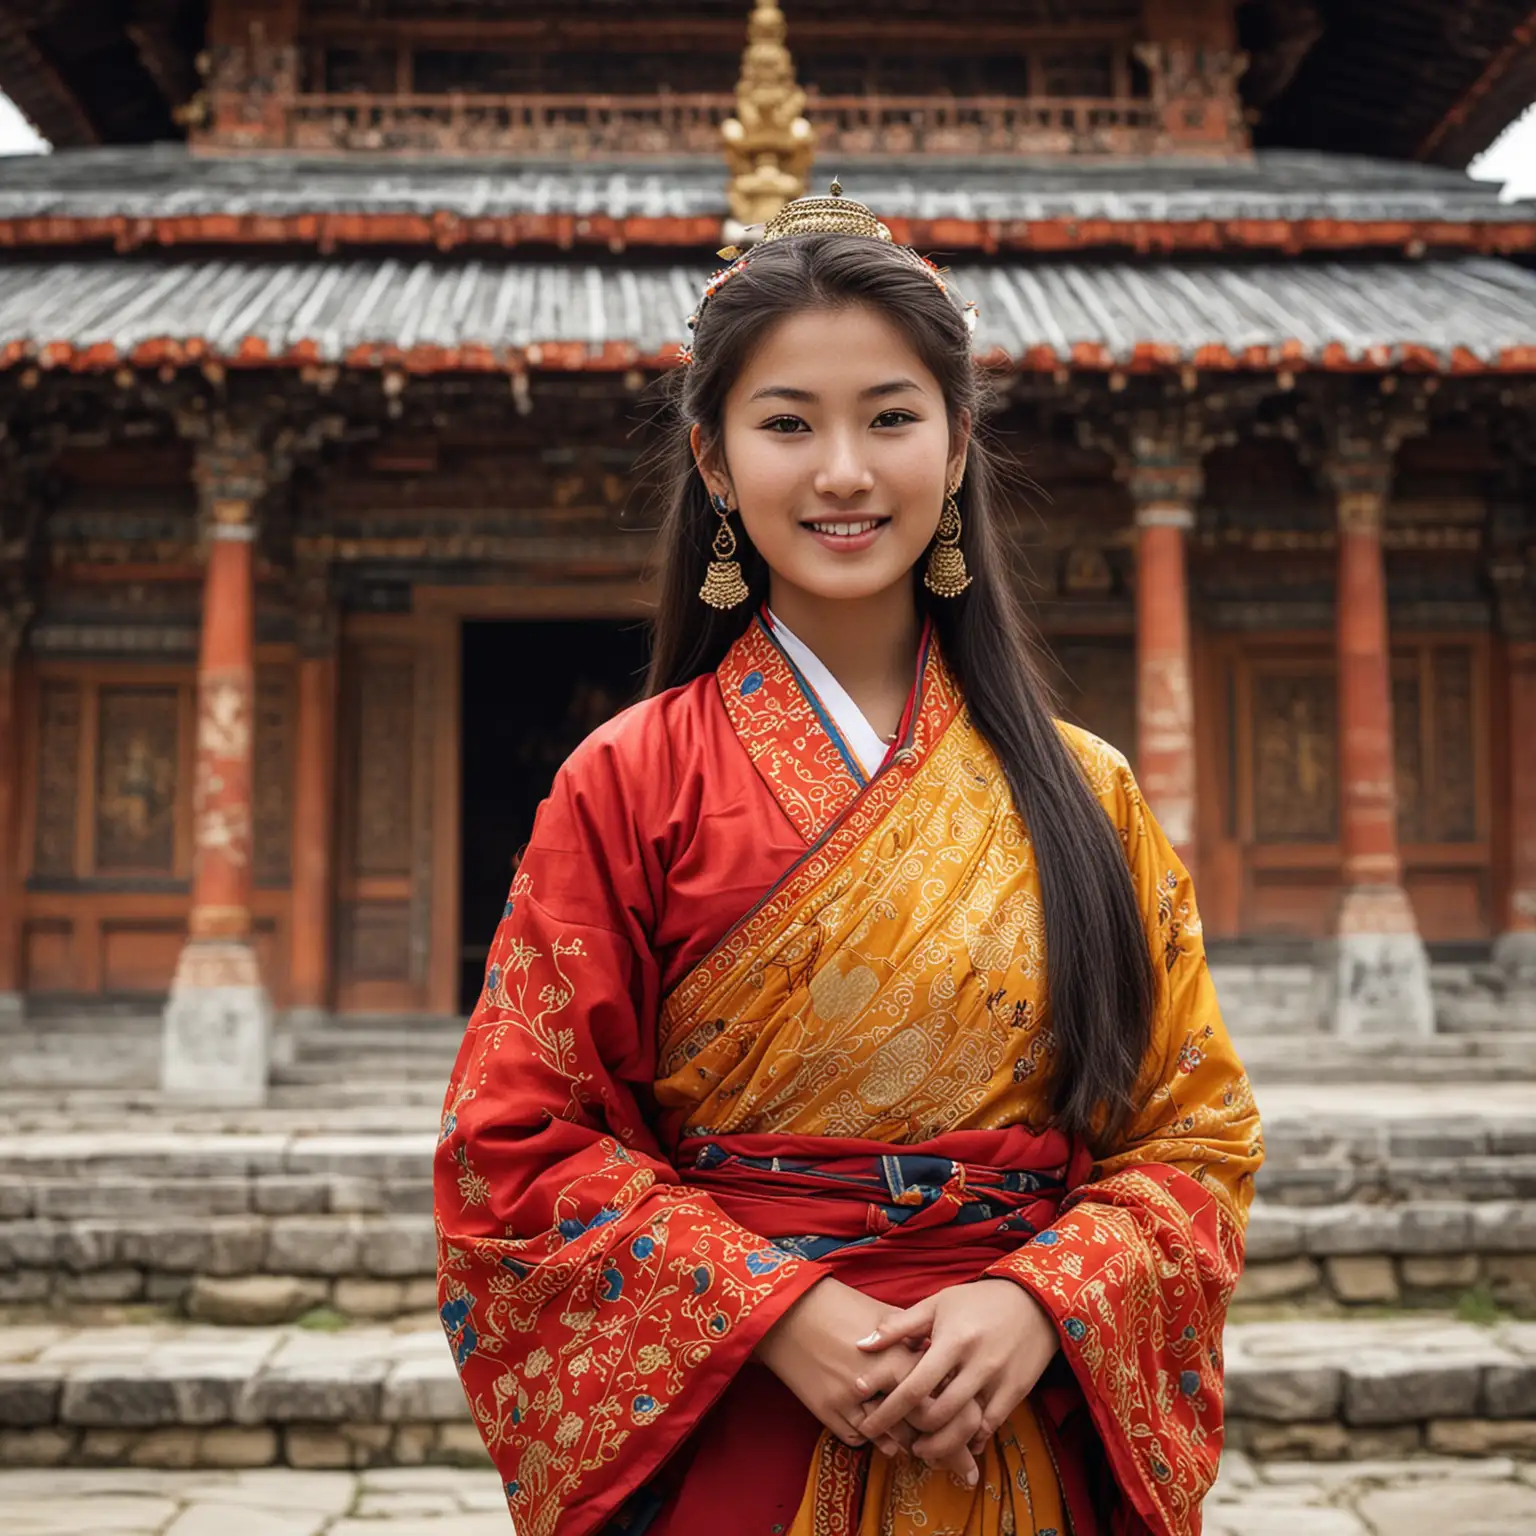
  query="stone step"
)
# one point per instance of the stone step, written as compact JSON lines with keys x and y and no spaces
{"x":343,"y":1105}
{"x":1420,"y":1253}
{"x":1269,"y":1058}
{"x":375,"y":1396}
{"x":341,"y":1070}
{"x":1273,"y":1058}
{"x":379,"y":1071}
{"x":1279,"y":997}
{"x":1370,"y":1194}
{"x":1482,"y":1035}
{"x":1325,"y":1142}
{"x":1424,"y":1495}
{"x":369,"y":1263}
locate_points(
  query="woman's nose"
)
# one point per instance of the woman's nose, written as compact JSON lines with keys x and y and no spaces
{"x":845,"y":471}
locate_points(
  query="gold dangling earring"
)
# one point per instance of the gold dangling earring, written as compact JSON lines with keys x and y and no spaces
{"x":946,"y":575}
{"x":723,"y":586}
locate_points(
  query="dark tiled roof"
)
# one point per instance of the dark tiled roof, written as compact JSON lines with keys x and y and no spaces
{"x":165,"y":181}
{"x":442,"y":313}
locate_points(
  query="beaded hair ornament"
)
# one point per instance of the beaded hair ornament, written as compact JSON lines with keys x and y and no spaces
{"x":830,"y":215}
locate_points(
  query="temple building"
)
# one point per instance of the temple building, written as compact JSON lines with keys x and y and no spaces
{"x":325,"y":342}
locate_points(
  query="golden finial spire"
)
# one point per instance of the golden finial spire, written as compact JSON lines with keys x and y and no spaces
{"x":769,"y":143}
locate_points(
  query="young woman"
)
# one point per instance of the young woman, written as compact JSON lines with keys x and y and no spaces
{"x":847,"y":1139}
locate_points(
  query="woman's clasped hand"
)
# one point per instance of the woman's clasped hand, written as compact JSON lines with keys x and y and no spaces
{"x":935,"y":1380}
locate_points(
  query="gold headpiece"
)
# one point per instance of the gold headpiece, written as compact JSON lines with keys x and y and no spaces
{"x":830,"y":215}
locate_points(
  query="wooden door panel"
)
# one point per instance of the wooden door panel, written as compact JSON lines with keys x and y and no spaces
{"x":384,"y":877}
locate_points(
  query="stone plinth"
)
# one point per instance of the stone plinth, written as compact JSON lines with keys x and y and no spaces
{"x":217,"y":1044}
{"x":1373,"y":971}
{"x":1514,"y":953}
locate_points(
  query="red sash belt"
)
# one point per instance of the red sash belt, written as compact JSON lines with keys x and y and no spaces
{"x":897,"y":1222}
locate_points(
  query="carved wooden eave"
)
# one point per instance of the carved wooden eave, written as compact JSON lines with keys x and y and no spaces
{"x":1287,"y":362}
{"x":330,"y":233}
{"x":130,"y":198}
{"x":34,"y":85}
{"x":1056,"y":318}
{"x":769,"y":144}
{"x":1410,"y":79}
{"x":1480,"y":113}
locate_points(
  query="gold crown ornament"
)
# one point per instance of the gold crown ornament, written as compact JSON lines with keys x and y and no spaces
{"x":833,"y":214}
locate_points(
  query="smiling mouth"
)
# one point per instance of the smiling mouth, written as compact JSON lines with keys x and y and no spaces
{"x":846,"y":528}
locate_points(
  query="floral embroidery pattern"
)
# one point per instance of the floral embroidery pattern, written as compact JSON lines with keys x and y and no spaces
{"x":585,"y":1311}
{"x":1152,"y":1364}
{"x":785,"y":738}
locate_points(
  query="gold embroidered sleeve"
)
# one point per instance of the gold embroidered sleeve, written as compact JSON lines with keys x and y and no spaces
{"x":595,"y":1304}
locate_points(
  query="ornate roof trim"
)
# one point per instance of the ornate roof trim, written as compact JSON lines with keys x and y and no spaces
{"x":164,"y":198}
{"x":1466,"y":316}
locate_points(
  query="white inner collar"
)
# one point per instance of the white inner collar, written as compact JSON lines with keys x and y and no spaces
{"x":862,"y":738}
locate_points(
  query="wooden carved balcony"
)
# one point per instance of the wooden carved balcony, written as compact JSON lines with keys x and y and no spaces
{"x":660,"y":124}
{"x":564,"y":126}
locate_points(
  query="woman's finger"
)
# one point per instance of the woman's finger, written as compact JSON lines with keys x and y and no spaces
{"x":898,"y":1404}
{"x":996,"y":1408}
{"x":847,"y":1431}
{"x":944,"y":1442}
{"x":894,"y":1327}
{"x":951,"y":1402}
{"x":897,"y":1440}
{"x":883,"y":1374}
{"x":961,"y":1463}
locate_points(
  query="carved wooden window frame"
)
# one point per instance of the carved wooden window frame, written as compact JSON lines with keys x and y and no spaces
{"x":1410,"y":653}
{"x":91,"y":678}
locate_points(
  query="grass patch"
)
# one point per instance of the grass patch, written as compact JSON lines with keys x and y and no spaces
{"x":324,"y":1320}
{"x":1478,"y":1306}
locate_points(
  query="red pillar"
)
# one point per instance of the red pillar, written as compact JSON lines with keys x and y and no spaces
{"x":1515,"y":947}
{"x":1368,"y":809}
{"x":226,"y":691}
{"x":1166,"y":491}
{"x":1165,"y":711}
{"x":1377,"y":972}
{"x":218,"y":1025}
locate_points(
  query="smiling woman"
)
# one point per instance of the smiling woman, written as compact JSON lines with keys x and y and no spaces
{"x":846,"y":1139}
{"x":839,"y":496}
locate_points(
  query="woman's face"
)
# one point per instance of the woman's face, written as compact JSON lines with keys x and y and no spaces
{"x":837,"y":451}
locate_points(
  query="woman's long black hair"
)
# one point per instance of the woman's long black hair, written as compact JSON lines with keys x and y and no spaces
{"x":1100,"y":979}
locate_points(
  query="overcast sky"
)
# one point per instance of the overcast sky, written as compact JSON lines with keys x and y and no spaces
{"x":1511,"y":159}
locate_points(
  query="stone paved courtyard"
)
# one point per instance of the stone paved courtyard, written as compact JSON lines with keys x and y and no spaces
{"x":1423,"y":1497}
{"x":219,"y":1323}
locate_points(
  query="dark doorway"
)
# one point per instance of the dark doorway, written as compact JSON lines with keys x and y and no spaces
{"x":531,"y":693}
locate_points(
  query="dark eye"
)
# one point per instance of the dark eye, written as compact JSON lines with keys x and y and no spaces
{"x":780,"y":422}
{"x":901,"y":418}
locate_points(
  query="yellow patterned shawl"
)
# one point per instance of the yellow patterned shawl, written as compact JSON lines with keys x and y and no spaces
{"x":892,"y":987}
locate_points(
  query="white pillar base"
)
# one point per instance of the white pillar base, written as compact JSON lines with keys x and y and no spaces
{"x":13,"y":1010}
{"x":1515,"y":955}
{"x":217,"y":1043}
{"x":1373,"y":973}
